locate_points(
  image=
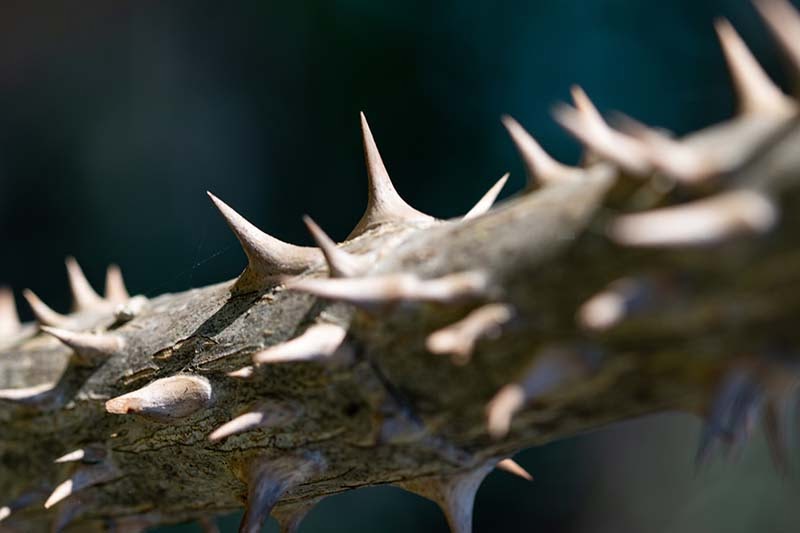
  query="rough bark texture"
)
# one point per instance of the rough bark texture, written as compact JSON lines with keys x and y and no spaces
{"x":383,"y":408}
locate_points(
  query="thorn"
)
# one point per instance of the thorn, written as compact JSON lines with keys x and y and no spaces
{"x":396,"y":288}
{"x":116,"y":292}
{"x":487,"y":200}
{"x":612,"y":305}
{"x":130,"y":309}
{"x":756,"y":91}
{"x":165,"y":399}
{"x":539,"y":166}
{"x":89,"y":347}
{"x":26,"y":499}
{"x":37,"y":395}
{"x":89,"y":454}
{"x":551,"y":370}
{"x":5,"y":512}
{"x":269,"y":479}
{"x":384,"y":204}
{"x":459,"y":339}
{"x":514,"y":468}
{"x":83,"y":295}
{"x":268,"y":258}
{"x":83,"y":478}
{"x":703,"y":222}
{"x":9,"y":319}
{"x":43,"y":314}
{"x":589,"y":127}
{"x":243,"y":373}
{"x":341,"y":264}
{"x":455,"y":494}
{"x":784,"y":23}
{"x":679,"y":160}
{"x":268,"y":414}
{"x":319,"y":341}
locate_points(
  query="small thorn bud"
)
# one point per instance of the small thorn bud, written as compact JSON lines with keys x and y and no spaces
{"x":514,"y":468}
{"x":243,"y":373}
{"x":166,"y":399}
{"x":267,"y":414}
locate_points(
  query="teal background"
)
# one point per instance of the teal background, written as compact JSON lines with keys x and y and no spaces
{"x":115,"y":117}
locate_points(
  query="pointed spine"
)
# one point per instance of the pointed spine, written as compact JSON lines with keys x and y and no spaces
{"x":9,"y":319}
{"x":784,"y":23}
{"x":341,"y":264}
{"x":166,"y":399}
{"x":83,"y":295}
{"x":320,"y":341}
{"x":487,"y":200}
{"x":703,"y":222}
{"x":90,"y":348}
{"x":586,"y":124}
{"x":269,"y":479}
{"x":756,"y":92}
{"x":43,"y":314}
{"x":514,"y":468}
{"x":396,"y":288}
{"x":384,"y":204}
{"x":88,"y":454}
{"x":83,"y":478}
{"x":116,"y":292}
{"x":268,"y":258}
{"x":540,"y":168}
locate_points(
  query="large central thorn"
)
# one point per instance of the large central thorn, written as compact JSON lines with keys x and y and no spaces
{"x":384,"y":204}
{"x":268,"y":258}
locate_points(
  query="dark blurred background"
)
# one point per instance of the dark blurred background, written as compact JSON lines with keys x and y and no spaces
{"x":115,"y":117}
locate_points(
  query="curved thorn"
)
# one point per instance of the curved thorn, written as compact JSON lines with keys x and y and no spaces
{"x":317,"y":342}
{"x":36,"y":396}
{"x":268,"y":414}
{"x":588,"y":126}
{"x":9,"y":319}
{"x":487,"y":200}
{"x":268,"y":258}
{"x":396,"y":288}
{"x":341,"y":264}
{"x":384,"y":204}
{"x":784,"y":23}
{"x":165,"y":399}
{"x":514,"y":468}
{"x":703,"y":222}
{"x":756,"y":91}
{"x":115,"y":292}
{"x":89,"y":347}
{"x":269,"y":479}
{"x":459,"y":339}
{"x":83,"y":295}
{"x":539,"y":166}
{"x":83,"y":478}
{"x":43,"y":314}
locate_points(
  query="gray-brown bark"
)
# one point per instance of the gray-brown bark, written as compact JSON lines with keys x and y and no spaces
{"x":381,"y":407}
